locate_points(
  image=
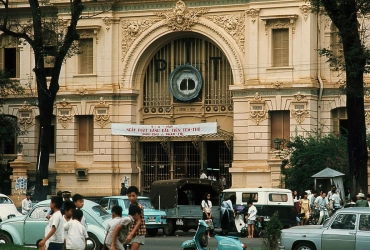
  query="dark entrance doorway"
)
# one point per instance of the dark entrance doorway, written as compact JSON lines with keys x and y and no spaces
{"x":219,"y":159}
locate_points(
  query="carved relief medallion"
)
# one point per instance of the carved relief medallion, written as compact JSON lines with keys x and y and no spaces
{"x":180,"y":17}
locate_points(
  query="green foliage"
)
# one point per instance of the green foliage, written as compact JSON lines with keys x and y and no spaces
{"x":8,"y":86}
{"x":310,"y":155}
{"x":273,"y":233}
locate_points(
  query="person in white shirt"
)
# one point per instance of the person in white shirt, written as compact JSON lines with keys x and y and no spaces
{"x":69,"y":207}
{"x":76,"y":232}
{"x":312,"y":198}
{"x":207,"y":209}
{"x":202,"y":175}
{"x":321,"y":202}
{"x":336,"y":200}
{"x":56,"y":224}
{"x":26,"y":204}
{"x":251,"y":217}
{"x":78,"y":200}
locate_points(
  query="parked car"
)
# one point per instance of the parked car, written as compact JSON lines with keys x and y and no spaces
{"x":28,"y":229}
{"x":266,"y":200}
{"x":154,"y":219}
{"x":348,"y":228}
{"x":7,"y":208}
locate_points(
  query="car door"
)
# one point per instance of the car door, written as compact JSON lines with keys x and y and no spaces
{"x":35,"y":224}
{"x":363,"y":232}
{"x":341,"y":233}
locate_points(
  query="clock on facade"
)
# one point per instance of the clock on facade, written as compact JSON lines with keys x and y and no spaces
{"x":185,"y":82}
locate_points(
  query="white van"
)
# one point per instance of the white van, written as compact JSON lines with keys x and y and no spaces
{"x":267,"y":201}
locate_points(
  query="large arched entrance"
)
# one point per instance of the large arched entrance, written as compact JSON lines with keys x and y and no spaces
{"x":186,"y":81}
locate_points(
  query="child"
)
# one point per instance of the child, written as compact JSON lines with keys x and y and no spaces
{"x":78,"y":200}
{"x":69,"y":207}
{"x":76,"y":232}
{"x":136,"y":236}
{"x":122,"y":225}
{"x":56,"y":224}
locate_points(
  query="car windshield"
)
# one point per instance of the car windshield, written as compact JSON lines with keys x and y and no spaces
{"x":100,"y":211}
{"x":144,"y":202}
{"x":5,"y":200}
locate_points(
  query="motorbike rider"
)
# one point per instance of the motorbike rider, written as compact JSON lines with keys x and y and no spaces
{"x":320,"y":203}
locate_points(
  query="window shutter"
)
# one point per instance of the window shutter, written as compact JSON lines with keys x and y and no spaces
{"x":91,"y":133}
{"x":285,"y":47}
{"x":82,"y":133}
{"x":17,"y":64}
{"x":280,"y":47}
{"x":86,"y":58}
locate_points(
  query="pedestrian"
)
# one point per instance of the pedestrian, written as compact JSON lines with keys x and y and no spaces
{"x":69,"y":207}
{"x":78,"y":200}
{"x":123,"y":189}
{"x":251,"y":217}
{"x":56,"y":225}
{"x":76,"y":232}
{"x":207,"y":209}
{"x":361,"y":202}
{"x":66,"y":197}
{"x":320,"y":203}
{"x":330,"y":192}
{"x":121,"y":226}
{"x":223,"y":182}
{"x":304,"y":204}
{"x":136,"y":235}
{"x":26,"y":204}
{"x":202,"y":175}
{"x":336,"y":200}
{"x":312,"y":198}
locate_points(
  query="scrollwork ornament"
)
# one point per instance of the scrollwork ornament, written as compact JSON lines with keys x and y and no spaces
{"x":305,"y":10}
{"x":257,"y":111}
{"x":102,"y":115}
{"x":299,"y":114}
{"x":277,"y":84}
{"x":64,"y":116}
{"x":25,"y":118}
{"x":180,"y":17}
{"x":233,"y":25}
{"x":131,"y":29}
{"x":107,"y":21}
{"x":253,"y":14}
{"x":367,"y":117}
{"x":257,"y":115}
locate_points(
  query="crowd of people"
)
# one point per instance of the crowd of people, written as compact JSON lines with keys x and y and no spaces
{"x":322,"y":203}
{"x":67,"y":227}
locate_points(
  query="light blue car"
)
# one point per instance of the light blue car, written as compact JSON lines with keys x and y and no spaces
{"x":154,"y":219}
{"x":26,"y":230}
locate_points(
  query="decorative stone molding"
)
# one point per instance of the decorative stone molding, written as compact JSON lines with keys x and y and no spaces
{"x":279,"y":22}
{"x":89,"y":32}
{"x":107,"y":21}
{"x":367,"y":117}
{"x":305,"y":10}
{"x":257,"y":111}
{"x":299,"y":107}
{"x":233,"y":25}
{"x":367,"y":96}
{"x":101,"y":114}
{"x":25,"y":117}
{"x":253,"y":14}
{"x":180,"y":17}
{"x":277,"y":84}
{"x":131,"y":29}
{"x":82,"y":91}
{"x":64,"y":116}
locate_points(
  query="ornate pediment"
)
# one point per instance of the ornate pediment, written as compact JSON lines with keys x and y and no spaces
{"x":25,"y":116}
{"x":102,"y":115}
{"x":64,"y":115}
{"x":299,"y":108}
{"x":180,"y":17}
{"x":257,"y":111}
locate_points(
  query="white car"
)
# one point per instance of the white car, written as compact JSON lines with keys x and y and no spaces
{"x":7,"y":208}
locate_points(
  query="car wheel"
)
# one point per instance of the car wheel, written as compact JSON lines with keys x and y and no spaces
{"x":5,"y":238}
{"x":168,"y":230}
{"x":152,"y":232}
{"x":92,"y":243}
{"x":203,"y":239}
{"x":305,"y":246}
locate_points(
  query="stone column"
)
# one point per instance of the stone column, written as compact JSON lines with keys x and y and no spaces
{"x":275,"y":167}
{"x":19,"y":167}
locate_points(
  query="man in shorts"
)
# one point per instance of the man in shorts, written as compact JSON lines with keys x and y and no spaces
{"x":251,"y":217}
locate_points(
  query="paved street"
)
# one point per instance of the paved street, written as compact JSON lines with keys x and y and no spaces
{"x":174,"y":242}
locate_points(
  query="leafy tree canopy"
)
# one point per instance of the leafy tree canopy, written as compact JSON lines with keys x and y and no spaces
{"x":311,"y":154}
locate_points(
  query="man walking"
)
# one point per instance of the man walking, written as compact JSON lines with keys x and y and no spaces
{"x":251,"y":217}
{"x":123,"y":189}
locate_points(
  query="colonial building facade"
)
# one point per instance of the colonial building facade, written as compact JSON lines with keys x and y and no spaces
{"x":250,"y":66}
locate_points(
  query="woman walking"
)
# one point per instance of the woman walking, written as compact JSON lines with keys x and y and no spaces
{"x":304,"y":204}
{"x":207,"y":209}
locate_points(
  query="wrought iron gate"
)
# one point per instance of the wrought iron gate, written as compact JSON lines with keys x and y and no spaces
{"x":186,"y":160}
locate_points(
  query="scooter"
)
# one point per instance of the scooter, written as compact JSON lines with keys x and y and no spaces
{"x":200,"y":240}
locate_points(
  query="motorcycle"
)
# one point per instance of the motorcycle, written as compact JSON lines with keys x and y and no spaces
{"x":242,"y":227}
{"x":200,"y":240}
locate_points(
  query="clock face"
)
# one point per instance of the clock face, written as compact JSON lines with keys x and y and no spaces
{"x":185,"y":82}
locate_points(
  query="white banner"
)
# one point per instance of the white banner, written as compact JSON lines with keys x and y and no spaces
{"x":164,"y":130}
